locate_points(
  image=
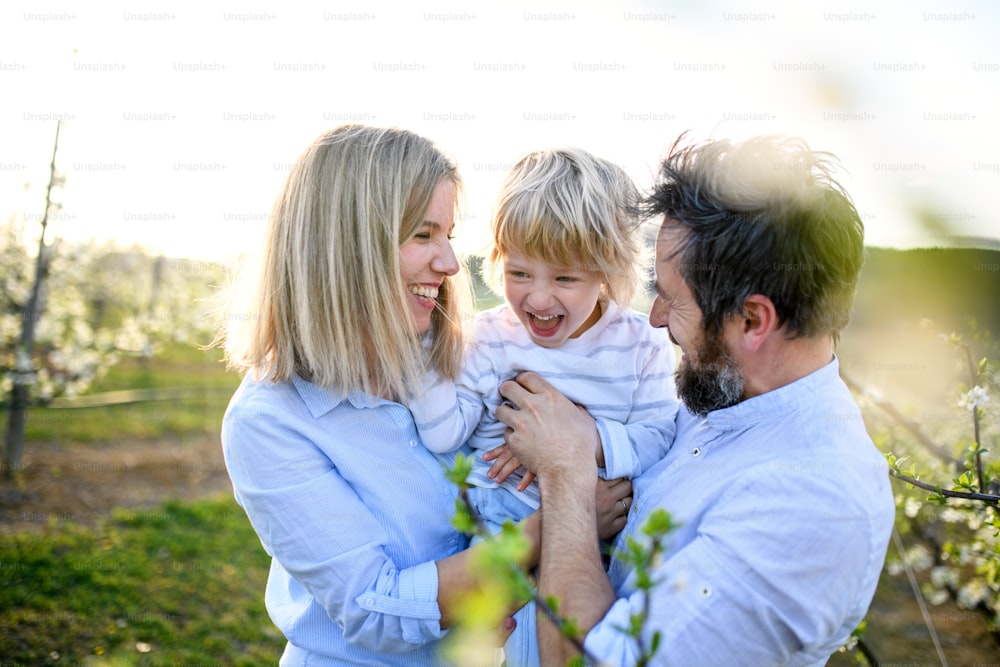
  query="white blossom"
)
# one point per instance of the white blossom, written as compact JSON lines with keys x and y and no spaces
{"x":972,"y":593}
{"x":937,"y":597}
{"x":942,"y":576}
{"x":952,"y":515}
{"x":919,"y":557}
{"x":974,"y":398}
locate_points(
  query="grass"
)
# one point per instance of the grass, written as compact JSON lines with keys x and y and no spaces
{"x":194,"y":389}
{"x":179,"y":585}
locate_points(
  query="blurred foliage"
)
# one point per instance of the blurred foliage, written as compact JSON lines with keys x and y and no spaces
{"x":503,"y":585}
{"x":102,"y":303}
{"x":183,"y":391}
{"x":958,"y":537}
{"x":951,"y":286}
{"x":928,"y":398}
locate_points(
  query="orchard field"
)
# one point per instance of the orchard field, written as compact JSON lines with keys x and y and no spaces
{"x":120,"y":543}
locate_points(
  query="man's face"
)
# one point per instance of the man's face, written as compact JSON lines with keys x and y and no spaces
{"x":708,"y":377}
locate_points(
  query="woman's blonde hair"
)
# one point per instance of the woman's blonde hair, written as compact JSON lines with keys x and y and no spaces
{"x":327,"y":300}
{"x":569,"y":208}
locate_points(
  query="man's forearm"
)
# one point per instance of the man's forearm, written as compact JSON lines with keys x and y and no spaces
{"x":570,"y":567}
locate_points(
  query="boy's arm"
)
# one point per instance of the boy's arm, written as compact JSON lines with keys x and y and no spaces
{"x":445,"y":414}
{"x":627,"y":449}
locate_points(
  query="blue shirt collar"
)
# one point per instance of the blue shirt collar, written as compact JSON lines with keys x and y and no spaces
{"x":319,"y":400}
{"x":775,"y":404}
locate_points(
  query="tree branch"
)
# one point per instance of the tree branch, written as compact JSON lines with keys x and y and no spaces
{"x":987,"y":498}
{"x":974,"y":373}
{"x":913,"y":427}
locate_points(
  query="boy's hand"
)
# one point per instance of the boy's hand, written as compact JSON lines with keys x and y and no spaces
{"x":504,"y":463}
{"x":526,"y":481}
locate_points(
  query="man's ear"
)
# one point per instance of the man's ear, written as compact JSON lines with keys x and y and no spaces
{"x":757,"y":322}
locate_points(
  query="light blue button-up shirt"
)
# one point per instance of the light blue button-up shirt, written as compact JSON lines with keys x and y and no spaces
{"x":354,"y":511}
{"x":785,"y":512}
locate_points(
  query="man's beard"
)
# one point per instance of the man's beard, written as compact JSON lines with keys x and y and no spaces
{"x":715,"y":381}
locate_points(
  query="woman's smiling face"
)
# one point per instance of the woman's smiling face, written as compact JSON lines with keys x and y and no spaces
{"x":428,"y":258}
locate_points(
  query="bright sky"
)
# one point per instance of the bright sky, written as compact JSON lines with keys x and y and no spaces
{"x":182,"y":118}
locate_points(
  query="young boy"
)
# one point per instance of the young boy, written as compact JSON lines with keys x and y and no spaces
{"x":567,"y":254}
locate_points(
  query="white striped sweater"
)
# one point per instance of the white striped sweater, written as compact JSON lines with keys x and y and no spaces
{"x":620,"y":370}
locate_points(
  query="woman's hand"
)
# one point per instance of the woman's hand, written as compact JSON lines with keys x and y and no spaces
{"x":614,"y":499}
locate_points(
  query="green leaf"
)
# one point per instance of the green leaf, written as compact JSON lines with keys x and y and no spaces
{"x":571,"y":628}
{"x":655,"y":643}
{"x":658,"y":524}
{"x":459,"y":473}
{"x":462,"y":520}
{"x":965,"y":480}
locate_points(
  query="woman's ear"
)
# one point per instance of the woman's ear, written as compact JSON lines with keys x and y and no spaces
{"x":758,"y":321}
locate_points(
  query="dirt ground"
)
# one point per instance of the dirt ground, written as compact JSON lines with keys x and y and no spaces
{"x":82,"y":483}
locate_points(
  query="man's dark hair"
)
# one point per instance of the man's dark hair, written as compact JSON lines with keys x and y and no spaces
{"x":764,"y":216}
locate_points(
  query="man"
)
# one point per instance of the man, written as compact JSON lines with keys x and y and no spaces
{"x":783,"y":502}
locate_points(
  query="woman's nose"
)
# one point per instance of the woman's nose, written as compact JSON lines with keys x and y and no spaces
{"x":446,"y":261}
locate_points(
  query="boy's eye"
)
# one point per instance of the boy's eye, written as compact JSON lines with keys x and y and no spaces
{"x":566,"y":279}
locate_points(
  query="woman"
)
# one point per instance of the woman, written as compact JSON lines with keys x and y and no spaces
{"x":356,"y":302}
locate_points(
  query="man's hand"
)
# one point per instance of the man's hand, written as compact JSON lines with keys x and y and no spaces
{"x":548,"y":433}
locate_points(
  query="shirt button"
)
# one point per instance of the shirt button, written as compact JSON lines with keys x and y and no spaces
{"x":696,"y":451}
{"x":413,"y":443}
{"x":706,"y":592}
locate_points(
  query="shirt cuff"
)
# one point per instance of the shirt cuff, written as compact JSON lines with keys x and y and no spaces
{"x":618,"y":460}
{"x":607,"y":640}
{"x":414,"y":604}
{"x":419,"y":582}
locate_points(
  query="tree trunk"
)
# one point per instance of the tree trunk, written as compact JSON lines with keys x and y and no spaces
{"x":24,"y":372}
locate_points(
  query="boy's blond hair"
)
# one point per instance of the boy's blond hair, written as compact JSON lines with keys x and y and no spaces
{"x":569,"y":208}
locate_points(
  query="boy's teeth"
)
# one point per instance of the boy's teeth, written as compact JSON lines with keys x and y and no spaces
{"x":420,"y":290}
{"x":545,"y":318}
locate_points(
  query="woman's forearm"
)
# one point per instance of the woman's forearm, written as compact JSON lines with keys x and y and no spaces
{"x":456,"y":577}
